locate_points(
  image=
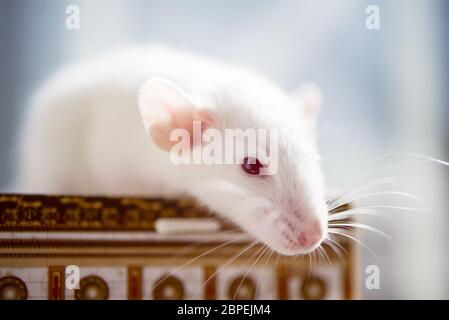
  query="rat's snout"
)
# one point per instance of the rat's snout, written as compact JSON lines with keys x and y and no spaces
{"x":311,"y":236}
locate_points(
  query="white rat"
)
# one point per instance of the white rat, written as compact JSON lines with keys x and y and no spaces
{"x":84,"y":135}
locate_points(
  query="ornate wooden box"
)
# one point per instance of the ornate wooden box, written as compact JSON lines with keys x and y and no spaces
{"x":111,"y":245}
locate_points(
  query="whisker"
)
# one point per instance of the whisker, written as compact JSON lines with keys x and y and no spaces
{"x":250,"y":268}
{"x":240,"y":237}
{"x":323,"y":254}
{"x":193,"y":260}
{"x":327,"y":256}
{"x":373,"y":211}
{"x":265,"y":261}
{"x":422,"y":157}
{"x":317,"y":254}
{"x":351,"y":212}
{"x":310,"y":265}
{"x":355,"y":240}
{"x":361,"y":226}
{"x":386,"y":207}
{"x":209,"y":238}
{"x":392,"y":192}
{"x":248,"y":247}
{"x":334,"y":249}
{"x":378,"y":182}
{"x":334,"y":242}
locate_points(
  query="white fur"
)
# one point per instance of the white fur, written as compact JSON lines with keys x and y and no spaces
{"x":84,"y":135}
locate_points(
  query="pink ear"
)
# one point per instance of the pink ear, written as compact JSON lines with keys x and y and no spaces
{"x":164,"y":107}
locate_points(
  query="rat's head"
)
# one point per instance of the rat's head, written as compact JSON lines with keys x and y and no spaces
{"x":273,"y":187}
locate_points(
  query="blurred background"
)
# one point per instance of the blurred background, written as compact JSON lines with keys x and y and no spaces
{"x":385,"y":92}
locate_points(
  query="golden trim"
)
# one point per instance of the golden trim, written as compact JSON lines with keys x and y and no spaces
{"x":135,"y":281}
{"x":210,"y":288}
{"x":282,"y":277}
{"x":171,"y":283}
{"x":21,"y":290}
{"x":75,"y":213}
{"x":241,"y":283}
{"x":56,"y":283}
{"x":307,"y":284}
{"x":86,"y":285}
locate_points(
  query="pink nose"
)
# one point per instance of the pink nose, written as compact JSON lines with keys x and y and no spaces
{"x":311,"y":236}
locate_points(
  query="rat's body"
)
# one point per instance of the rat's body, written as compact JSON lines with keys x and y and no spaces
{"x":84,"y":135}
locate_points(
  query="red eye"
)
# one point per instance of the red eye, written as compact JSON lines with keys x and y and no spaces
{"x":251,"y":165}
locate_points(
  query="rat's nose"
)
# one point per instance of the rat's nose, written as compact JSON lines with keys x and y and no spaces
{"x":311,"y":235}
